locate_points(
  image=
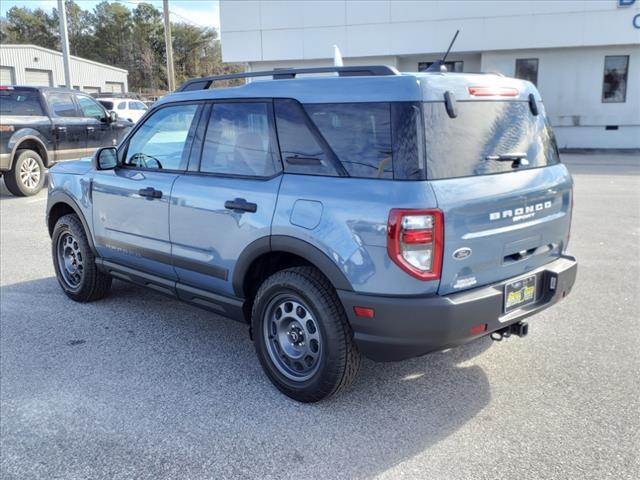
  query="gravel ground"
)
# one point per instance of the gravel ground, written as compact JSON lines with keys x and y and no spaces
{"x":139,"y":386}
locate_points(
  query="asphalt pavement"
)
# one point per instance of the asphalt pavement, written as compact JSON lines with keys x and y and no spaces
{"x":139,"y":386}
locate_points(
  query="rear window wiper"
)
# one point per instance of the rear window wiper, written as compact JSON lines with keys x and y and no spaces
{"x":516,"y":158}
{"x":303,"y":160}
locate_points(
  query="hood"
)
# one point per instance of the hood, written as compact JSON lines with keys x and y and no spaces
{"x":73,"y":167}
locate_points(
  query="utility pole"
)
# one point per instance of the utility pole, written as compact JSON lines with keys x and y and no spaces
{"x":168,"y":45}
{"x":64,"y":41}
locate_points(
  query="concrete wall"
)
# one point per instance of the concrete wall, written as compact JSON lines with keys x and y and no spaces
{"x":84,"y":73}
{"x":291,"y":30}
{"x":570,"y":81}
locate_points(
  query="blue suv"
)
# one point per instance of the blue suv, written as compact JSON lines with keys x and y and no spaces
{"x":365,"y":211}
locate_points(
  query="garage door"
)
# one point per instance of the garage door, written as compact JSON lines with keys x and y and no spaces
{"x":38,"y":77}
{"x":91,"y":89}
{"x":114,"y":87}
{"x":6,"y":76}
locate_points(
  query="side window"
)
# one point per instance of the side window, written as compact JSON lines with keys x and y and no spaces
{"x":90,"y":108}
{"x":301,"y":151}
{"x":62,"y":105}
{"x":122,"y":106}
{"x":160,"y":142}
{"x":359,"y":134}
{"x":238,"y":141}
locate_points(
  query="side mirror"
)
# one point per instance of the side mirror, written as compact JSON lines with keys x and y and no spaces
{"x":113,"y":117}
{"x":105,"y":158}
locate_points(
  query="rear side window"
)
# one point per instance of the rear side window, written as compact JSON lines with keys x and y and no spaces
{"x":62,"y":105}
{"x":238,"y":141}
{"x":359,"y":134}
{"x":301,"y":147}
{"x":20,"y":103}
{"x":484,"y":131}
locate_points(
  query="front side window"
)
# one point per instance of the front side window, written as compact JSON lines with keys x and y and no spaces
{"x":62,"y":105}
{"x":238,"y":141}
{"x":160,"y":143}
{"x":614,"y":87}
{"x":527,"y":69}
{"x":137,"y":106}
{"x":359,"y":134}
{"x":90,"y":108}
{"x":122,"y":106}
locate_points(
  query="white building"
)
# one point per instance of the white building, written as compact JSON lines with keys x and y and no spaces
{"x":584,"y":55}
{"x":33,"y":65}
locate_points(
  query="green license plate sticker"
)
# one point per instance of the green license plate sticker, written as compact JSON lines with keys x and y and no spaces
{"x":519,"y":293}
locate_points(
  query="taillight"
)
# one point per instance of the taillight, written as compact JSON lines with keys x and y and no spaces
{"x":415,"y":241}
{"x":493,"y":91}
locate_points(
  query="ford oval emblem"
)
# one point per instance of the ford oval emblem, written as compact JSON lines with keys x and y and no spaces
{"x":462,"y":253}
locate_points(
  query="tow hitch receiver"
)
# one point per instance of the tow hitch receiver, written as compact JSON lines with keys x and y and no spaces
{"x":520,"y":329}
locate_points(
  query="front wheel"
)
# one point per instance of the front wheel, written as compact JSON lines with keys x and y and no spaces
{"x":74,"y":262}
{"x":302,"y":336}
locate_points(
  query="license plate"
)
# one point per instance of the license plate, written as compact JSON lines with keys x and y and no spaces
{"x":519,"y":293}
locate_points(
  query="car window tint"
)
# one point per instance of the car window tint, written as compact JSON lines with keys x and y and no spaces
{"x":160,"y":142}
{"x":62,"y":105}
{"x":106,"y":104}
{"x":90,"y":108}
{"x":301,"y":151}
{"x":238,"y":141}
{"x":20,"y":103}
{"x":122,"y":106}
{"x":359,"y":134}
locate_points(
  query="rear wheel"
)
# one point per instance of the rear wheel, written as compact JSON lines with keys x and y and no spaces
{"x":302,"y":336}
{"x":74,"y":262}
{"x":27,"y":175}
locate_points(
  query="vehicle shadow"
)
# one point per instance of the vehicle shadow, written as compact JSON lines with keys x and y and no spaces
{"x":146,"y":379}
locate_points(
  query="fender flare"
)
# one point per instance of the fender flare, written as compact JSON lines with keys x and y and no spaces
{"x":21,"y":136}
{"x":287,"y":244}
{"x":59,"y":197}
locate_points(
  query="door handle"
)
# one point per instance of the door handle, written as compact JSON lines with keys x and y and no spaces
{"x":61,"y":129}
{"x":90,"y":129}
{"x":150,"y":192}
{"x":241,"y":204}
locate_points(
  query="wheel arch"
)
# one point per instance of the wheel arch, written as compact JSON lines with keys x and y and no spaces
{"x":270,"y":254}
{"x":29,"y":142}
{"x":60,"y":204}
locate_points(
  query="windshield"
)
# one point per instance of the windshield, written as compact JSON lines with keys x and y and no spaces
{"x":486,"y":137}
{"x":14,"y":102}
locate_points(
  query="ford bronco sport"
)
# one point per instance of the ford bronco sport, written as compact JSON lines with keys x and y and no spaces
{"x":369,"y":212}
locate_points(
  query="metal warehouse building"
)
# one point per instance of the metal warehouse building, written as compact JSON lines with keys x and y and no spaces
{"x":33,"y":65}
{"x":584,"y":55}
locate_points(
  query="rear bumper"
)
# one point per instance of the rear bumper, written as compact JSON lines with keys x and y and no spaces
{"x":405,"y":327}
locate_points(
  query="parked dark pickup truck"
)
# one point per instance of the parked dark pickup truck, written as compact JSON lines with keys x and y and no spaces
{"x":40,"y":126}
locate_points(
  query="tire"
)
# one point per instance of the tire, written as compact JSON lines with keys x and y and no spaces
{"x":26,"y":177}
{"x":302,"y":337}
{"x":74,"y":262}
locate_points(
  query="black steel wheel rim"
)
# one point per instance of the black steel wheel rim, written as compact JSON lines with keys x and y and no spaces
{"x":70,"y":260}
{"x":292,"y":337}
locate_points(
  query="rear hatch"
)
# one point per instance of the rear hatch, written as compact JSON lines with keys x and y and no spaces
{"x":497,"y":177}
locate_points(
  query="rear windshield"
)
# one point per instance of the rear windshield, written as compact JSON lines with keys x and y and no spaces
{"x":15,"y":102}
{"x":483,"y":138}
{"x":106,"y":104}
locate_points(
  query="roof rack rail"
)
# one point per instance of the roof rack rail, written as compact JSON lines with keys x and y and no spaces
{"x":205,"y":83}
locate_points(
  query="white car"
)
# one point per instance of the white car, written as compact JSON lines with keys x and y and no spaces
{"x":126,"y":108}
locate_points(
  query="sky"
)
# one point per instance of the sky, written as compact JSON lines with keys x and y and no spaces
{"x":205,"y":13}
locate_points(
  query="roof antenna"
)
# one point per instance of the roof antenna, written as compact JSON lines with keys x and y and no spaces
{"x":438,"y":65}
{"x":337,"y":57}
